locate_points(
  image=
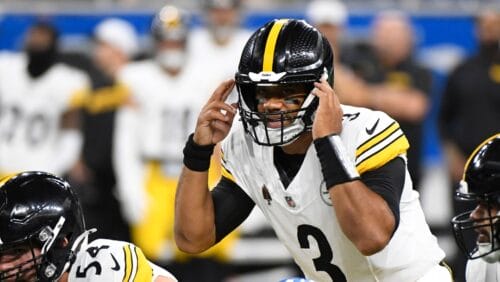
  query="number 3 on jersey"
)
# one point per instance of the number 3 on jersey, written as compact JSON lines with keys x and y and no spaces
{"x":323,"y":262}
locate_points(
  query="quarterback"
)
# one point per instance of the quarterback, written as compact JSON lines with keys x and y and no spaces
{"x":481,"y":183}
{"x":331,"y":179}
{"x":43,"y":237}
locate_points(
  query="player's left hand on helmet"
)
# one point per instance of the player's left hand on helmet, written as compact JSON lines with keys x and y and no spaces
{"x":328,"y":118}
{"x":216,"y":117}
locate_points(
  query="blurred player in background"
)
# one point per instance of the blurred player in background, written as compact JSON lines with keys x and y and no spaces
{"x":43,"y":237}
{"x":39,"y":98}
{"x":217,"y":45}
{"x":115,"y":44}
{"x":398,"y":85}
{"x":481,"y":185}
{"x":330,"y":17}
{"x":149,"y":136}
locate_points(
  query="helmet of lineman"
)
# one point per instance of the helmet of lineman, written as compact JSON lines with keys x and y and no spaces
{"x":481,"y":183}
{"x":283,"y":52}
{"x":39,"y":211}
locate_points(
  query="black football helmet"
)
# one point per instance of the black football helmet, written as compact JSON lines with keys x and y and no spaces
{"x":39,"y":210}
{"x":481,"y":183}
{"x":282,"y":52}
{"x":170,"y":23}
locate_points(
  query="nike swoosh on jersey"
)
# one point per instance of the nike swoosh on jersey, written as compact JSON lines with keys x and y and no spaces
{"x":371,"y":130}
{"x":117,"y":265}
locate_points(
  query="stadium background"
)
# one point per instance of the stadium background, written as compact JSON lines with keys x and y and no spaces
{"x":445,"y":35}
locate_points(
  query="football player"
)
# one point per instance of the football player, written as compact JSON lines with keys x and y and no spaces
{"x":151,"y":130}
{"x":331,"y":179}
{"x":39,"y":100}
{"x":43,"y":237}
{"x":481,"y":184}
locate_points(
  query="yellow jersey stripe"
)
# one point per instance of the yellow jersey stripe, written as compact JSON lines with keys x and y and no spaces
{"x":78,"y":98}
{"x":384,"y":155}
{"x":267,"y":64}
{"x":144,"y":270}
{"x":134,"y":264}
{"x":227,"y":174}
{"x":377,"y":138}
{"x":128,"y":263}
{"x":477,"y":149}
{"x":107,"y":98}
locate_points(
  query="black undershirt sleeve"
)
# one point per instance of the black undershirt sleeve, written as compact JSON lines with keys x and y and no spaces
{"x":232,"y":206}
{"x":388,"y":181}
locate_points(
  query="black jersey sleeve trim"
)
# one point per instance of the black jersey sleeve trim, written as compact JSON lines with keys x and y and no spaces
{"x":388,"y":182}
{"x":231,"y":205}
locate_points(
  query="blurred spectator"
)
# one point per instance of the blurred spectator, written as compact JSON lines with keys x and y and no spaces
{"x":39,"y":100}
{"x":218,"y":44}
{"x":397,"y":84}
{"x":151,"y":130}
{"x":329,"y":17}
{"x":470,"y":107}
{"x":115,"y":44}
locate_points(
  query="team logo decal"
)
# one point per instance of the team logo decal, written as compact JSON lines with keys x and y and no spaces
{"x":266,"y":195}
{"x":291,"y":203}
{"x":325,"y":195}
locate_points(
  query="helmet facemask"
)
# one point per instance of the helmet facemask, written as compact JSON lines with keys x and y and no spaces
{"x":464,"y":226}
{"x":277,"y":127}
{"x":47,"y":240}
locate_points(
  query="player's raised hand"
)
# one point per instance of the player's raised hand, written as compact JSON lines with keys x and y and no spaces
{"x":216,"y":117}
{"x":328,"y":118}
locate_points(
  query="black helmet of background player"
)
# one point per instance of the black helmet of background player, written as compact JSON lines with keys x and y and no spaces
{"x":39,"y":211}
{"x":288,"y":53}
{"x":170,"y":30}
{"x":223,"y":18}
{"x":481,"y":183}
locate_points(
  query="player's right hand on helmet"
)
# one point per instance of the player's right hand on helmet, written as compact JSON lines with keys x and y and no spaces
{"x":216,"y":117}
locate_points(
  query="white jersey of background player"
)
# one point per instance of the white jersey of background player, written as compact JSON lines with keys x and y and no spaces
{"x":37,"y":96}
{"x":332,"y":180}
{"x":217,"y":45}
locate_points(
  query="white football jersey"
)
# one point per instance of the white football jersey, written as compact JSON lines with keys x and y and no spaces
{"x":154,"y":126}
{"x":302,"y":214}
{"x":109,"y":261}
{"x":219,"y":62}
{"x":166,"y":109}
{"x":31,"y":112}
{"x":479,"y":270}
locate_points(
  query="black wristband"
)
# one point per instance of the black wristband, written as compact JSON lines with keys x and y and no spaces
{"x":197,"y":157}
{"x":336,"y":166}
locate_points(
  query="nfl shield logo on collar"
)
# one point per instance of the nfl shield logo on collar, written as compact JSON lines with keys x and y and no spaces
{"x":290,"y":202}
{"x":266,"y":195}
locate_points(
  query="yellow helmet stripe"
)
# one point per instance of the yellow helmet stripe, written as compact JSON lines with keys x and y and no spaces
{"x":475,"y":151}
{"x":6,"y":177}
{"x":267,"y":64}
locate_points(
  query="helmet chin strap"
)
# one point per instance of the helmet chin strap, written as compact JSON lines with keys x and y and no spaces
{"x":80,"y":242}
